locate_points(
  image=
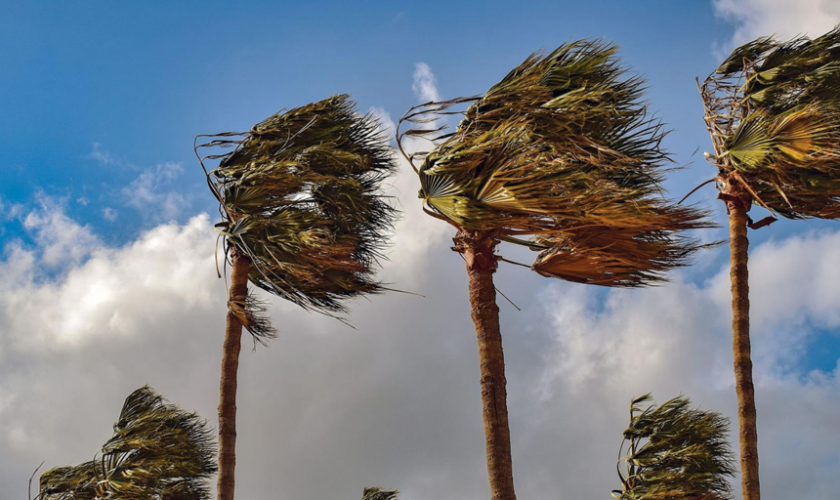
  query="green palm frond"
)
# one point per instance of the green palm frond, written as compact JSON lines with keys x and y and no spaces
{"x":376,"y":493}
{"x":773,"y":111}
{"x":299,"y":196}
{"x":157,"y":451}
{"x":559,"y":153}
{"x":674,"y":452}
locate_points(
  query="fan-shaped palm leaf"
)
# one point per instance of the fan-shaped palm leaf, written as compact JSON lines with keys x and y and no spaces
{"x":303,"y":219}
{"x":157,"y":451}
{"x":562,"y":157}
{"x":674,"y":452}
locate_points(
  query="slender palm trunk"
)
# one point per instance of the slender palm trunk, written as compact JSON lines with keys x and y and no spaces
{"x":227,"y":388}
{"x":478,"y":250}
{"x":747,"y":435}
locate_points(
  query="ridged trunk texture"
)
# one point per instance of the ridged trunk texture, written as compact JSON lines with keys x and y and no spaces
{"x":226,"y":484}
{"x":478,"y":251}
{"x":738,"y":203}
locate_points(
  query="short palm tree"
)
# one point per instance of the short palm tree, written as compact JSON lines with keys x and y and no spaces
{"x":773,"y":112}
{"x":376,"y":493}
{"x":303,"y":219}
{"x":674,"y":452}
{"x":560,"y":157}
{"x":158,"y":451}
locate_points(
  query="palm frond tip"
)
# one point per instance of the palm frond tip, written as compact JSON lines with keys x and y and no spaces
{"x":562,"y":156}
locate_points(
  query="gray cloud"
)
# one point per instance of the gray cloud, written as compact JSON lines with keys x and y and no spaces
{"x":327,"y":409}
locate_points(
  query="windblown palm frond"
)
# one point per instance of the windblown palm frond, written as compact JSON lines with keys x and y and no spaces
{"x":300,"y":197}
{"x":158,"y":451}
{"x":674,"y":452}
{"x":562,"y":157}
{"x":773,"y":111}
{"x":377,"y":493}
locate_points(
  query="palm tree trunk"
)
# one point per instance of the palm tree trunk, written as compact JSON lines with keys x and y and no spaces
{"x":227,"y":388}
{"x":748,"y":436}
{"x":478,"y":250}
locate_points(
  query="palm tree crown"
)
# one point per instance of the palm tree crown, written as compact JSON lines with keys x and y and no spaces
{"x":299,"y":196}
{"x":562,"y":157}
{"x":377,"y":493}
{"x":158,"y":450}
{"x":674,"y":451}
{"x":773,"y":111}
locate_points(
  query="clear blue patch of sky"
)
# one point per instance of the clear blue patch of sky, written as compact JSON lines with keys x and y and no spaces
{"x":822,"y":350}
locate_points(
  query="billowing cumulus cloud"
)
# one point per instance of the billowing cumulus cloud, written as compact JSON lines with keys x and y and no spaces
{"x":327,"y":409}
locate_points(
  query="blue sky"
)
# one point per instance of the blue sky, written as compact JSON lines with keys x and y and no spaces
{"x":99,"y":104}
{"x":140,"y":81}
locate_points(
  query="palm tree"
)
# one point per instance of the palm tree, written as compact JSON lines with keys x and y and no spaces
{"x":773,"y":112}
{"x":158,"y":451}
{"x":560,"y":157}
{"x":673,"y":451}
{"x":302,"y":219}
{"x":376,"y":493}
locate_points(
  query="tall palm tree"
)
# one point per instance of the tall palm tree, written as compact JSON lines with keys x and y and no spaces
{"x":560,"y":157}
{"x":158,"y":451}
{"x":773,"y":112}
{"x":673,"y":451}
{"x":303,"y":219}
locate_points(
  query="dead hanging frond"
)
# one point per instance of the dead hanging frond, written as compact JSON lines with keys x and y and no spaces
{"x":300,"y":196}
{"x":772,"y":110}
{"x":557,"y":154}
{"x":377,"y":493}
{"x":251,"y":312}
{"x":672,"y":451}
{"x":158,"y":450}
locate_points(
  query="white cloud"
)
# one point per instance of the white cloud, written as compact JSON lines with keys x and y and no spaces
{"x":154,"y":195}
{"x":415,"y":233}
{"x":676,"y":339}
{"x":784,"y":18}
{"x":425,"y":83}
{"x":9,"y":211}
{"x":110,"y":214}
{"x":60,"y":239}
{"x":103,"y":156}
{"x":326,"y":410}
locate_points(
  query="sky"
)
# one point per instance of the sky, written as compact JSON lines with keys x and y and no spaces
{"x":108,"y":281}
